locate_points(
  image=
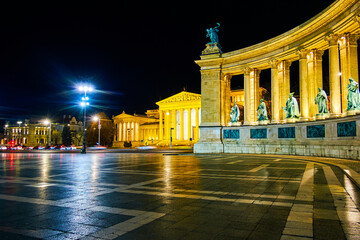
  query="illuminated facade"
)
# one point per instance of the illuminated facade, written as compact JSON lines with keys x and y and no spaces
{"x":27,"y":134}
{"x":181,"y":118}
{"x":180,"y":112}
{"x":336,"y":30}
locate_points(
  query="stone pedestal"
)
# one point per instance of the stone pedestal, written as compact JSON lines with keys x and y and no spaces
{"x":234,"y":124}
{"x":263,"y":122}
{"x":352,"y":112}
{"x":322,"y":116}
{"x":291,"y":120}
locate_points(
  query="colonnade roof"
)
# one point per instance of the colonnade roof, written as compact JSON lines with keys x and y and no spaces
{"x":340,"y":17}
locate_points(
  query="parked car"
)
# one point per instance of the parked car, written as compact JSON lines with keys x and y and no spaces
{"x":96,"y":147}
{"x":70,"y":148}
{"x":38,"y":148}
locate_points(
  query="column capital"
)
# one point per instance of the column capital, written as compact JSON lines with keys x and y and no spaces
{"x":348,"y":38}
{"x":247,"y":70}
{"x":332,"y":39}
{"x":273,"y":63}
{"x":227,"y":77}
{"x":315,"y":54}
{"x":283,"y":65}
{"x":357,"y":19}
{"x":302,"y":53}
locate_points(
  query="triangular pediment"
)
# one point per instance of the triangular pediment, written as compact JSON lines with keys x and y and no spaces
{"x":181,"y":97}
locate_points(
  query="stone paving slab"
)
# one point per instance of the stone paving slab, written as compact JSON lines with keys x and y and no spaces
{"x":184,"y":196}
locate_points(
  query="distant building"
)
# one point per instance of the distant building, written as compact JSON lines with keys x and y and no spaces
{"x":180,"y":112}
{"x":37,"y":134}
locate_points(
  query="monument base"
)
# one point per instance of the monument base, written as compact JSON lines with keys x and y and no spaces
{"x":291,"y":120}
{"x":322,"y":116}
{"x":263,"y":122}
{"x":352,"y":112}
{"x":231,"y":124}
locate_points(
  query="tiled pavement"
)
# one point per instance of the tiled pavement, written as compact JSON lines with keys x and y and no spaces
{"x":160,"y":196}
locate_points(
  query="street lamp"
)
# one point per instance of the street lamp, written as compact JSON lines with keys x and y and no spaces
{"x":47,"y":122}
{"x":96,"y":118}
{"x":171,"y":129}
{"x":83,"y":104}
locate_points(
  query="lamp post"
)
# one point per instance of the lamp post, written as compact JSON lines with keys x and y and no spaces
{"x":83,"y":104}
{"x":171,"y":129}
{"x":48,"y":122}
{"x":96,"y":118}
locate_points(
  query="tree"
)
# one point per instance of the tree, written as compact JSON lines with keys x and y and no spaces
{"x":55,"y":136}
{"x":66,"y":136}
{"x":106,"y":131}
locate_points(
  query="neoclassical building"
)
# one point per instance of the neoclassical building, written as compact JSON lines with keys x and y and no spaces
{"x":182,"y":115}
{"x":336,"y":30}
{"x":178,"y":117}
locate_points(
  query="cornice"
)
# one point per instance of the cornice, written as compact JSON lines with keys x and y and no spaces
{"x":340,"y":17}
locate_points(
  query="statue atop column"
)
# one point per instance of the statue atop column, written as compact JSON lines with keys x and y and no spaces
{"x":234,"y":115}
{"x":212,"y":34}
{"x":353,"y":96}
{"x":262,"y":113}
{"x":291,"y":108}
{"x":213,"y":48}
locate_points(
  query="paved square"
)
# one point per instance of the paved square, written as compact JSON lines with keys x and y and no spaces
{"x":164,"y":196}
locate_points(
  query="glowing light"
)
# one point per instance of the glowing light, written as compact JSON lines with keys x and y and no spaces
{"x":82,"y":104}
{"x":95,"y":118}
{"x":339,"y":73}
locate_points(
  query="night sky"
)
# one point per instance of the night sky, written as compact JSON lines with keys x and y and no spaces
{"x":134,"y":54}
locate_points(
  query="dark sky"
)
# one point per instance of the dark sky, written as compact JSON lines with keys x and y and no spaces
{"x":134,"y":54}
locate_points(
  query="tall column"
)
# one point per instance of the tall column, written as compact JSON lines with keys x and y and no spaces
{"x":275,"y":93}
{"x":137,"y":128}
{"x":223,"y":100}
{"x":181,"y":124}
{"x":283,"y":69}
{"x":303,"y":79}
{"x":349,"y":63}
{"x":210,"y":97}
{"x":334,"y":77}
{"x":173,"y":124}
{"x":227,"y":98}
{"x":189,"y":128}
{"x":124,"y":132}
{"x":166,"y":125}
{"x":247,"y":93}
{"x":160,"y":125}
{"x":314,"y":60}
{"x":196,"y":131}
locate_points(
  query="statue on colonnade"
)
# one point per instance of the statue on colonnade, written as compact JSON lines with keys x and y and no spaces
{"x":212,"y":34}
{"x":322,"y":101}
{"x":235,"y":113}
{"x":353,"y":96}
{"x":292,"y":107}
{"x":262,"y":113}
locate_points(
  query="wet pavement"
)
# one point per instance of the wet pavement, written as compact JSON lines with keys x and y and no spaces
{"x":174,"y":196}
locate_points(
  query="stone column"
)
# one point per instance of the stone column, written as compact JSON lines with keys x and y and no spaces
{"x":349,"y":63}
{"x":303,"y":80}
{"x":161,"y":125}
{"x":247,"y":94}
{"x":189,"y":123}
{"x":334,"y":77}
{"x":227,"y":98}
{"x":173,"y":124}
{"x":275,"y":93}
{"x":283,"y":70}
{"x":166,"y":125}
{"x":181,"y":124}
{"x":314,"y":60}
{"x":137,"y":128}
{"x":124,"y":132}
{"x":196,"y":132}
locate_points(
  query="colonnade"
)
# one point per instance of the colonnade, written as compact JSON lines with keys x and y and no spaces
{"x":181,"y":124}
{"x":343,"y":64}
{"x":128,"y":131}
